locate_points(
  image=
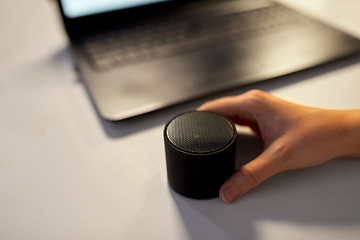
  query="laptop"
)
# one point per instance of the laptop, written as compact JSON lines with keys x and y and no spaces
{"x":138,"y":56}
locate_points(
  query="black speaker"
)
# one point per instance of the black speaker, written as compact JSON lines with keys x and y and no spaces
{"x":200,"y":153}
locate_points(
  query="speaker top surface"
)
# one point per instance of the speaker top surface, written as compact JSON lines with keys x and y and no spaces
{"x":200,"y":132}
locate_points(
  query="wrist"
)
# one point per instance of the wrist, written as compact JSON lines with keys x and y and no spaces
{"x":349,"y":137}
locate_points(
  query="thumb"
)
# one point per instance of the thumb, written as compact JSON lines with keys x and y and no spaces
{"x":247,"y":177}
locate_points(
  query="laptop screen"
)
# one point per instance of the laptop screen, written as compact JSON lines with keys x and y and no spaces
{"x":81,"y":8}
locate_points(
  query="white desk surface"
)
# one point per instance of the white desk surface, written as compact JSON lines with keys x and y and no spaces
{"x":67,"y":174}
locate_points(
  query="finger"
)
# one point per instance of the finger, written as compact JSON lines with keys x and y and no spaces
{"x":243,"y":109}
{"x":248,"y":177}
{"x":235,"y":108}
{"x":228,"y":105}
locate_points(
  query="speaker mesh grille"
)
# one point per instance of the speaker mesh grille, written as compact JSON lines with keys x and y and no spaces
{"x":200,"y":132}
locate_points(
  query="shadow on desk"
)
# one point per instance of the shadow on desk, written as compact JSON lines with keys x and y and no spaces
{"x":298,"y":204}
{"x":160,"y":117}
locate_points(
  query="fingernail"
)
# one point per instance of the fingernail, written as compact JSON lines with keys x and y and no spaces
{"x":229,"y":194}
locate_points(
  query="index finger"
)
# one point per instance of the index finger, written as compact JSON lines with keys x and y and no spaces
{"x":240,"y":109}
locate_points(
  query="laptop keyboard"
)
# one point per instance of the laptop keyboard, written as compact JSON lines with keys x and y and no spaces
{"x":167,"y":37}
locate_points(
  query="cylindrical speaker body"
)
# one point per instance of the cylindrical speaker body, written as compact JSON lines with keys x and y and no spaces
{"x":200,"y":153}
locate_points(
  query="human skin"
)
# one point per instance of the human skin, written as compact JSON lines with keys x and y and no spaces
{"x":294,"y":136}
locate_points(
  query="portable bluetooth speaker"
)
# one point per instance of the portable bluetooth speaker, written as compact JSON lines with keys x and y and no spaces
{"x":200,"y":153}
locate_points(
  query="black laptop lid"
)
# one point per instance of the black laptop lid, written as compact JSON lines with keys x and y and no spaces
{"x":83,"y":16}
{"x":81,"y":8}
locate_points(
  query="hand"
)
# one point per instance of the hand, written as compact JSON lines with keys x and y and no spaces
{"x":294,"y":136}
